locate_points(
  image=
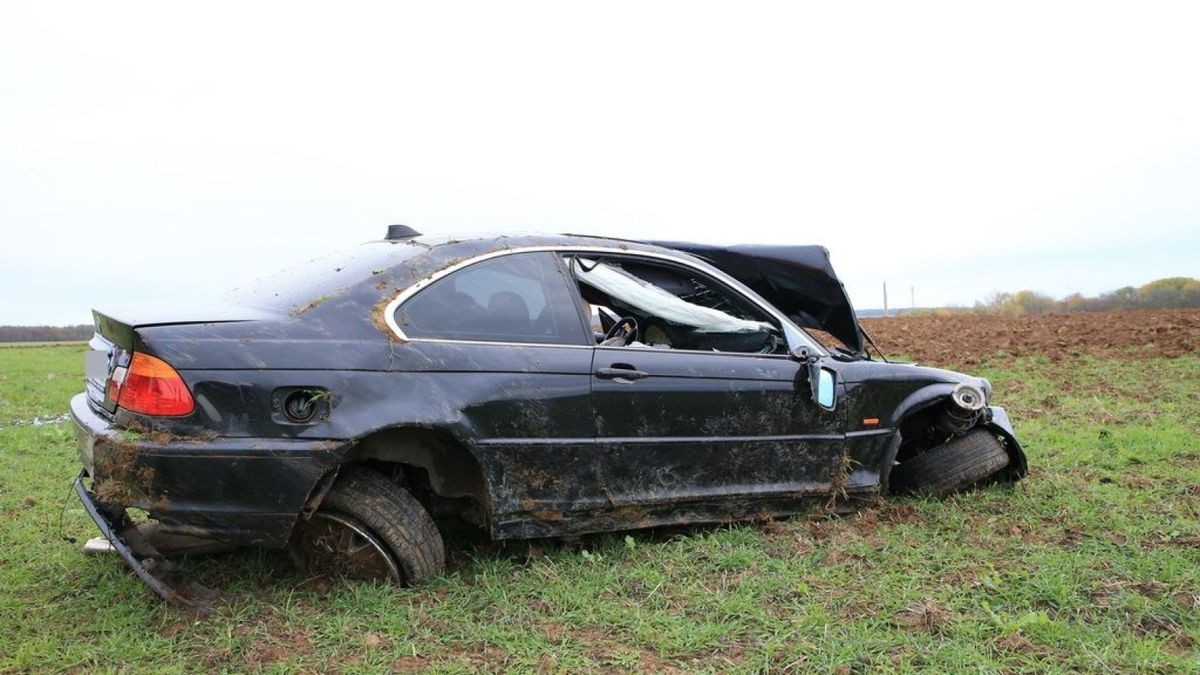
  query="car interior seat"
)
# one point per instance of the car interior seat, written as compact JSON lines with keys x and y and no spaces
{"x":508,"y":313}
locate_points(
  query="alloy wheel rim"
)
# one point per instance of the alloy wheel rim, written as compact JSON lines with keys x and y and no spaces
{"x":338,"y":545}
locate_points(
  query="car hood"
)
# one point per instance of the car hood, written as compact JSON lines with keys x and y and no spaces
{"x":798,"y":280}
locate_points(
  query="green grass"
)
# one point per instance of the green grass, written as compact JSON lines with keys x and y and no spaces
{"x":38,"y":381}
{"x":44,"y":343}
{"x":1090,"y":564}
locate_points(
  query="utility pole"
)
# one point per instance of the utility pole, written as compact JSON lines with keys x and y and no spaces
{"x":912,"y":292}
{"x":885,"y":298}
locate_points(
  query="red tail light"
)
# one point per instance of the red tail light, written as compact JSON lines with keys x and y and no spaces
{"x":152,"y":387}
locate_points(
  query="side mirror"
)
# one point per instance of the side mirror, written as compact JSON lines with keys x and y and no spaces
{"x":826,"y":394}
{"x":822,"y":380}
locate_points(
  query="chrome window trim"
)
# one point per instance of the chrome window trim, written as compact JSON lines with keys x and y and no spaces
{"x":500,"y":343}
{"x":389,"y":317}
{"x":671,"y":350}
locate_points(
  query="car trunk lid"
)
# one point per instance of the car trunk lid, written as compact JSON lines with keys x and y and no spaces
{"x":115,"y":339}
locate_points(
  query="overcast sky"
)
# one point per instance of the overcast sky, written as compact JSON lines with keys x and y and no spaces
{"x":167,"y":149}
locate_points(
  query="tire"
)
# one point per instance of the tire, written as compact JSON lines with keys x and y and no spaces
{"x":386,"y":533}
{"x":952,"y":466}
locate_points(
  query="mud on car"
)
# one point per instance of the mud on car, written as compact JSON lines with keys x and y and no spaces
{"x":532,"y":386}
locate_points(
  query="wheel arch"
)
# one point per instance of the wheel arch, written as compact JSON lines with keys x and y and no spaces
{"x":916,"y":401}
{"x":453,"y":469}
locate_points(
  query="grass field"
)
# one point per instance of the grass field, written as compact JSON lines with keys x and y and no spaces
{"x":55,"y":343}
{"x":1091,"y":564}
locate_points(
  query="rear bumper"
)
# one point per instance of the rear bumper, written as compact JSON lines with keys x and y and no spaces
{"x":111,"y":523}
{"x":243,"y":491}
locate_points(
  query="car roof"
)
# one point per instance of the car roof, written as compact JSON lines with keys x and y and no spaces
{"x":398,"y":263}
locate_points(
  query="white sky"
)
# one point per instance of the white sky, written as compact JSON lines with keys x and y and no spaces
{"x":163,"y":149}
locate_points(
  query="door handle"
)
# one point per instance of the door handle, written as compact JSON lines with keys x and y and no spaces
{"x":621,"y":371}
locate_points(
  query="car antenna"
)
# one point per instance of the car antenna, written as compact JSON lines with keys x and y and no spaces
{"x":397,"y":232}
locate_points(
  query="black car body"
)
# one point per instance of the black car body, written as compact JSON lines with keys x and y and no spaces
{"x":473,"y":374}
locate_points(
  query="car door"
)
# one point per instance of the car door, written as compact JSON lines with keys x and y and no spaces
{"x":729,"y":433}
{"x":499,"y":347}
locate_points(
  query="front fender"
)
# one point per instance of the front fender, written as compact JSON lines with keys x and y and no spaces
{"x":997,"y":421}
{"x":921,"y":398}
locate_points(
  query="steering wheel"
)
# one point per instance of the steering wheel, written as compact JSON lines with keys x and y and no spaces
{"x":621,"y":333}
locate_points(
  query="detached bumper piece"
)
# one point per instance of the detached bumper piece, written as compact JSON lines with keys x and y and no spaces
{"x":147,"y":562}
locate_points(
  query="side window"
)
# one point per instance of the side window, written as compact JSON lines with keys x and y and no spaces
{"x":513,"y":298}
{"x":673,"y":308}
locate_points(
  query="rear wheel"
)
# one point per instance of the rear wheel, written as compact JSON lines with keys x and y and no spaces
{"x":369,"y":528}
{"x":955,"y":465}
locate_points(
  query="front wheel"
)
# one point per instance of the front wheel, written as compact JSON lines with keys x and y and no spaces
{"x":369,"y":528}
{"x":952,"y":466}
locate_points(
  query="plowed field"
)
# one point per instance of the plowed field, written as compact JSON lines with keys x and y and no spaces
{"x":966,"y":339}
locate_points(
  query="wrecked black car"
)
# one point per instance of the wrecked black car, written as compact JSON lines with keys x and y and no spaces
{"x":532,"y":386}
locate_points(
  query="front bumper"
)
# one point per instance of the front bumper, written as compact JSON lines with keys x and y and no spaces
{"x":240,"y":491}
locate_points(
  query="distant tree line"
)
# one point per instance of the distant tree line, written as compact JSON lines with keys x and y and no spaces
{"x":1169,"y":293}
{"x":46,"y":333}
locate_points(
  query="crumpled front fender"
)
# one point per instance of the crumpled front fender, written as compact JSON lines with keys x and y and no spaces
{"x":997,"y":421}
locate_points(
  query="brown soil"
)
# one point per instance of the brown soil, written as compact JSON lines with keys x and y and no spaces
{"x":926,"y":615}
{"x":968,"y":338}
{"x":377,"y":318}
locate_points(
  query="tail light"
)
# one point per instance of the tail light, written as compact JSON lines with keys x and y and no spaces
{"x":150,"y":386}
